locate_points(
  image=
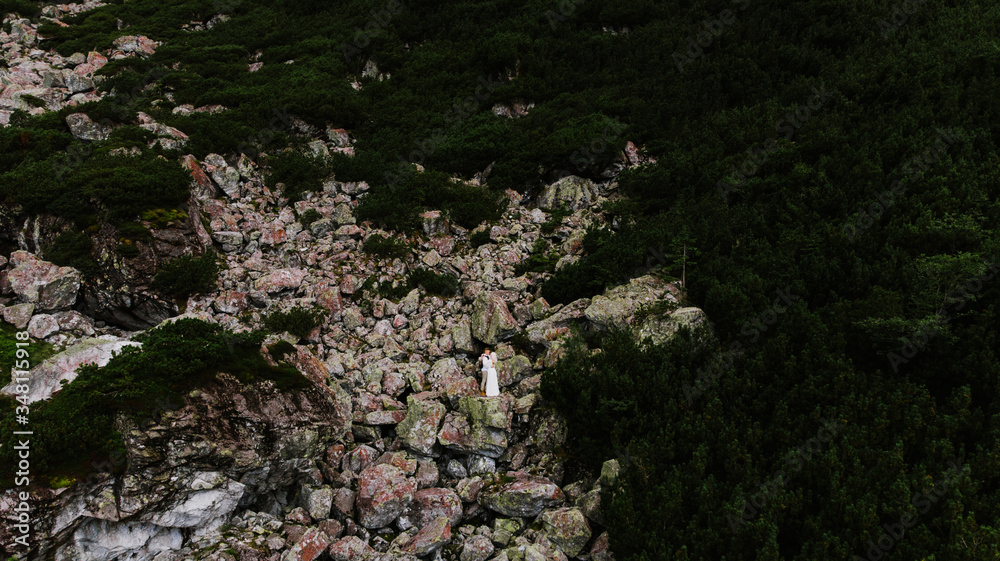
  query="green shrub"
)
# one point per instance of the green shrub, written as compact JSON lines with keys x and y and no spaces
{"x":539,"y":261}
{"x":73,"y":249}
{"x":163,"y":217}
{"x":434,"y":283}
{"x":297,"y":321}
{"x":281,"y":350}
{"x":188,"y":275}
{"x":386,"y":248}
{"x":309,"y":216}
{"x":298,"y":172}
{"x":479,"y":238}
{"x":555,"y":220}
{"x":33,"y":101}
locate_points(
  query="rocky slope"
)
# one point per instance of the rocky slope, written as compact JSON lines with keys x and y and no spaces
{"x":392,"y":453}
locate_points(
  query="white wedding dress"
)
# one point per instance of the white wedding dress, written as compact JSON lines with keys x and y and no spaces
{"x":492,"y":385}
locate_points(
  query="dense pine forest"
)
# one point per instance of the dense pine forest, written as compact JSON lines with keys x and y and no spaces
{"x":826,"y":172}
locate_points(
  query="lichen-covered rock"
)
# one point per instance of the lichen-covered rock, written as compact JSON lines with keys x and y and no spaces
{"x":49,"y":286}
{"x":42,"y":325}
{"x":19,"y":315}
{"x":567,"y":528}
{"x":383,"y":492}
{"x":82,"y":127}
{"x":609,"y":473}
{"x":491,"y":320}
{"x":351,"y":548}
{"x":601,"y":551}
{"x":419,"y":430}
{"x":617,"y":307}
{"x":46,"y":378}
{"x":461,"y":337}
{"x":574,"y":192}
{"x":513,"y":370}
{"x":656,"y":330}
{"x":476,"y":548}
{"x":429,"y":504}
{"x":312,"y":544}
{"x":280,"y":279}
{"x":225,"y":176}
{"x":524,"y":497}
{"x":430,"y":538}
{"x":479,"y":426}
{"x":317,"y":500}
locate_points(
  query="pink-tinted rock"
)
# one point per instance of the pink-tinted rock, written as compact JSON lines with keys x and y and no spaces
{"x":308,"y":364}
{"x":383,"y":492}
{"x":429,"y":504}
{"x":230,"y":302}
{"x":329,"y":297}
{"x":312,"y":545}
{"x":350,"y":548}
{"x":359,"y":458}
{"x":567,"y":528}
{"x":47,"y":285}
{"x":139,"y":44}
{"x":468,"y":489}
{"x":419,"y":430}
{"x":384,"y":417}
{"x":280,"y":279}
{"x":525,"y":497}
{"x":18,"y":315}
{"x":430,"y":538}
{"x":42,"y":325}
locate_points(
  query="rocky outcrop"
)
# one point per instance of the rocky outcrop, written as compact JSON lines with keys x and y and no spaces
{"x":48,"y":377}
{"x":491,"y":320}
{"x":229,"y":446}
{"x":576,"y":193}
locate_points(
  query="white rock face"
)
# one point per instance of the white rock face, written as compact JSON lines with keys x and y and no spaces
{"x":44,"y":380}
{"x":200,"y":508}
{"x":101,"y":540}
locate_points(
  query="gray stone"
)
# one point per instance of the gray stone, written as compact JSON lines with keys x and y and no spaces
{"x":575,"y":192}
{"x":83,"y":128}
{"x":491,"y":320}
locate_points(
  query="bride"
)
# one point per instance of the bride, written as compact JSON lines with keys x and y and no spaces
{"x":489,"y":383}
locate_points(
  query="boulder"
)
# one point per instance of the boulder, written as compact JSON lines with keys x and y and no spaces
{"x":312,"y":544}
{"x":524,"y":497}
{"x":42,"y":325}
{"x":618,"y":306}
{"x":476,"y":548}
{"x":317,"y":500}
{"x":461,"y":337}
{"x":430,"y":538}
{"x":419,"y":429}
{"x":574,"y":192}
{"x":567,"y":528}
{"x":49,"y":286}
{"x":491,"y":320}
{"x":430,"y":504}
{"x":479,"y":426}
{"x":656,"y":330}
{"x":18,"y":315}
{"x":351,"y":548}
{"x":384,"y":491}
{"x":279,"y":280}
{"x":443,"y":372}
{"x":46,"y":378}
{"x":225,"y":176}
{"x":83,"y":128}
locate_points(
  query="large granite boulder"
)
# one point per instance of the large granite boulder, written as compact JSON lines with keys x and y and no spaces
{"x":567,"y":528}
{"x":383,"y":492}
{"x":49,"y":286}
{"x":491,"y":320}
{"x":574,"y":192}
{"x":430,"y":504}
{"x":526,"y":496}
{"x":419,"y":429}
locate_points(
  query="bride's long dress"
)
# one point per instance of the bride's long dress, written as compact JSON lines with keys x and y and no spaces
{"x":492,"y":386}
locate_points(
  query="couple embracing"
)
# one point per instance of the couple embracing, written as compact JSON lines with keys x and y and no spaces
{"x":489,"y":383}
